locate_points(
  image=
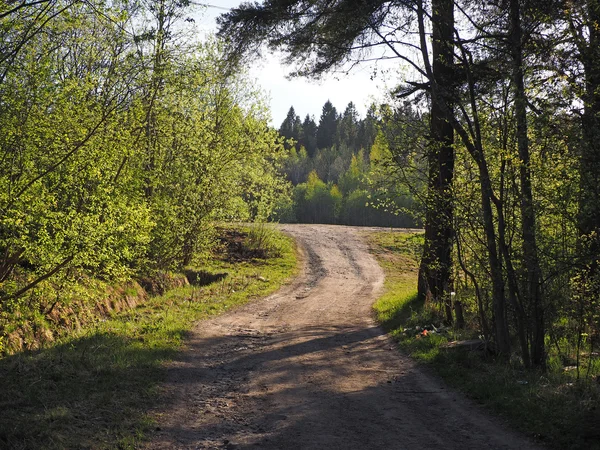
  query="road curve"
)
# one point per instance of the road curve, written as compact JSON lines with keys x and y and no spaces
{"x":308,"y":368}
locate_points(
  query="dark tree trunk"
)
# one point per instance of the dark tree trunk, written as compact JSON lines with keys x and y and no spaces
{"x":475,"y":148}
{"x":460,"y":316}
{"x":589,"y":206}
{"x":435,"y":273}
{"x":513,"y":290}
{"x":499,"y":303}
{"x":531,"y":292}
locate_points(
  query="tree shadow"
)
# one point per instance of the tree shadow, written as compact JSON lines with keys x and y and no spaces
{"x":201,"y":278}
{"x":404,"y":312}
{"x":94,"y":392}
{"x":88,"y":393}
{"x":290,"y":391}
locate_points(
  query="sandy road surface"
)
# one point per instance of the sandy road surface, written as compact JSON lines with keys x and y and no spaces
{"x":307,"y":368}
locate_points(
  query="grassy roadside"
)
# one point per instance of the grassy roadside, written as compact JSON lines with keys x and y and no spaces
{"x":90,"y":390}
{"x":551,"y":407}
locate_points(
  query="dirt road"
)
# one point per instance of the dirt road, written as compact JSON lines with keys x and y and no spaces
{"x":307,"y":368}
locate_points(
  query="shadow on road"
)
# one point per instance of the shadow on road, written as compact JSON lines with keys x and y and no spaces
{"x":292,"y":390}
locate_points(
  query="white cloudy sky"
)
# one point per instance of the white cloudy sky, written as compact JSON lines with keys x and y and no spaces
{"x":306,"y":96}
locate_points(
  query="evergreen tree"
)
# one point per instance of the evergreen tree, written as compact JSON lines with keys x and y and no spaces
{"x":308,"y":138}
{"x":327,"y":129}
{"x":348,"y":127}
{"x":291,"y":127}
{"x":367,"y":129}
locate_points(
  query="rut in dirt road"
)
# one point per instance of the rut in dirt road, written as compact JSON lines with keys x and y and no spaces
{"x":307,"y":368}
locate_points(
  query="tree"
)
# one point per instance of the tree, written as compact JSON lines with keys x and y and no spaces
{"x":532,"y":289}
{"x":367,"y":129}
{"x":65,"y":201}
{"x":119,"y":152}
{"x":348,"y":127}
{"x":291,"y":127}
{"x":327,"y":128}
{"x":435,"y":278}
{"x":352,"y":179}
{"x":316,"y":201}
{"x":323,"y":36}
{"x":398,"y":165}
{"x":583,"y":21}
{"x":308,"y":137}
{"x":500,"y":89}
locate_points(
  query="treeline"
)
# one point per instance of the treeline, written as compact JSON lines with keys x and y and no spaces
{"x":122,"y":140}
{"x":335,"y":167}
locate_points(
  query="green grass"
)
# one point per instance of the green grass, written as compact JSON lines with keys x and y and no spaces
{"x":92,"y":389}
{"x":551,"y":407}
{"x":396,"y":254}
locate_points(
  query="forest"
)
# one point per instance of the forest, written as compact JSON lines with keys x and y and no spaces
{"x":120,"y":153}
{"x":124,"y":139}
{"x":127,"y":141}
{"x":340,"y":170}
{"x":493,"y":130}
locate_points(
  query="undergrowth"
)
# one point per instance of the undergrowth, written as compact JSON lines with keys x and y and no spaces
{"x":553,"y":406}
{"x":91,"y":389}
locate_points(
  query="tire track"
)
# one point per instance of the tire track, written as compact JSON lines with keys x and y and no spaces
{"x":307,"y":368}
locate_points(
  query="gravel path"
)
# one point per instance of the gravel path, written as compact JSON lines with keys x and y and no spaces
{"x":308,"y":368}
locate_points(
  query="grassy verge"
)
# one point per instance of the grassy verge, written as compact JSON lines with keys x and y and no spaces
{"x":90,"y":389}
{"x":552,"y":407}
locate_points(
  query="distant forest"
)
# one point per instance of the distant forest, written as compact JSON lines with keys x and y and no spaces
{"x":341,"y":169}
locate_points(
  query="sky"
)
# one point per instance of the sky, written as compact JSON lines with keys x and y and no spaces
{"x":306,"y":96}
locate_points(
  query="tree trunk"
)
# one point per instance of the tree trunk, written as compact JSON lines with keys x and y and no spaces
{"x":475,"y":149}
{"x":435,"y":272}
{"x":513,"y":291}
{"x":499,"y":303}
{"x":589,"y":203}
{"x":532,"y":292}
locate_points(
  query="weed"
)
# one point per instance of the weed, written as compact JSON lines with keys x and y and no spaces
{"x":264,"y":240}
